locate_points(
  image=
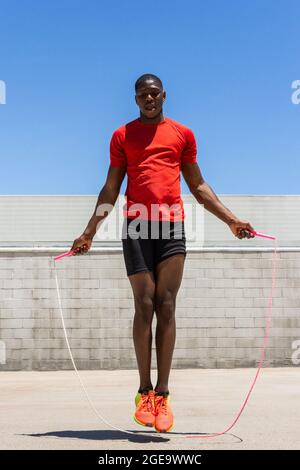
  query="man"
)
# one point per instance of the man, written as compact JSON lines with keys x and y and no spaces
{"x":152,"y":150}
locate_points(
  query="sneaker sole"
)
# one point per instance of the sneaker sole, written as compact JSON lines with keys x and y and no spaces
{"x":165,"y":430}
{"x":148,"y":425}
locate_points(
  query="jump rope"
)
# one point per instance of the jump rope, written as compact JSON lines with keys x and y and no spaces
{"x":264,"y":346}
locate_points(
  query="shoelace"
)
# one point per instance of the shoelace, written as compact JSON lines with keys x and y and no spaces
{"x":161,"y":405}
{"x":146,"y":404}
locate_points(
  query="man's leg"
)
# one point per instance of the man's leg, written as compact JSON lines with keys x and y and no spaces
{"x":143,"y":286}
{"x":168,"y":277}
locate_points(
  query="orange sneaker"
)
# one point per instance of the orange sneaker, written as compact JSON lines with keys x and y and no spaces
{"x":145,"y":408}
{"x":164,"y":419}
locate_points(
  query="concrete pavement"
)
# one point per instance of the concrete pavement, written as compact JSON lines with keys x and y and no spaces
{"x":48,"y":410}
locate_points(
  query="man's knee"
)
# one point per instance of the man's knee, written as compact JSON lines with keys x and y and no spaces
{"x":144,"y":307}
{"x":165,"y":307}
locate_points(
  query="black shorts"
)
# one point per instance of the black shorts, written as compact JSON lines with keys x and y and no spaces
{"x":143,"y":254}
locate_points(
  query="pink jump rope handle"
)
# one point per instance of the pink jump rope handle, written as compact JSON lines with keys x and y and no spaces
{"x":68,"y":253}
{"x":257,"y":234}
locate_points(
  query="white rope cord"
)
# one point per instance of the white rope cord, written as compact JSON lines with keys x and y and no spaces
{"x":98,"y":414}
{"x":157,"y":434}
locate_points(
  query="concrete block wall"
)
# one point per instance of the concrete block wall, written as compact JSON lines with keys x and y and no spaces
{"x":221,"y":309}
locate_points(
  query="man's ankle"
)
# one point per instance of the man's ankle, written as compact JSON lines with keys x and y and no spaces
{"x":162,"y":390}
{"x":143,"y":389}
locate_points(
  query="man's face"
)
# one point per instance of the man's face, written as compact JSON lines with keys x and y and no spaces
{"x":149,"y":98}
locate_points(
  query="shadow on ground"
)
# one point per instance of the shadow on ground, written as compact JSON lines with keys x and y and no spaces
{"x":136,"y":436}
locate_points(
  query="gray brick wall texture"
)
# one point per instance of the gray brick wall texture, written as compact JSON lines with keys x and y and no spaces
{"x":220,"y":310}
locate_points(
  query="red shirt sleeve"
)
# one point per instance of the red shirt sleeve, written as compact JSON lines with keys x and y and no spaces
{"x":189,"y":153}
{"x":117,"y":153}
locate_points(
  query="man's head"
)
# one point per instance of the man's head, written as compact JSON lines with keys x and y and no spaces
{"x":149,"y":95}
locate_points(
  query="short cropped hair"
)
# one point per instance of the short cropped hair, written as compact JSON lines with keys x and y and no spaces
{"x":147,"y":76}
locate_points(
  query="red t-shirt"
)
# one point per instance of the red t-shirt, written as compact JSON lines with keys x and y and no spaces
{"x":153,"y":155}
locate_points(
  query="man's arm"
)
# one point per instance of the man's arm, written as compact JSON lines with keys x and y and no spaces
{"x":205,"y":195}
{"x":108,"y":196}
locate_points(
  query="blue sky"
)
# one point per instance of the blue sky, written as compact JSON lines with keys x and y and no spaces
{"x":69,"y":67}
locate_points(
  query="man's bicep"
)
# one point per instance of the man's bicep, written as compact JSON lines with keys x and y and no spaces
{"x":192,"y":175}
{"x":115,"y":177}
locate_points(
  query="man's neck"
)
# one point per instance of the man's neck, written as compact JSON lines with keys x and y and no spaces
{"x":155,"y":120}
